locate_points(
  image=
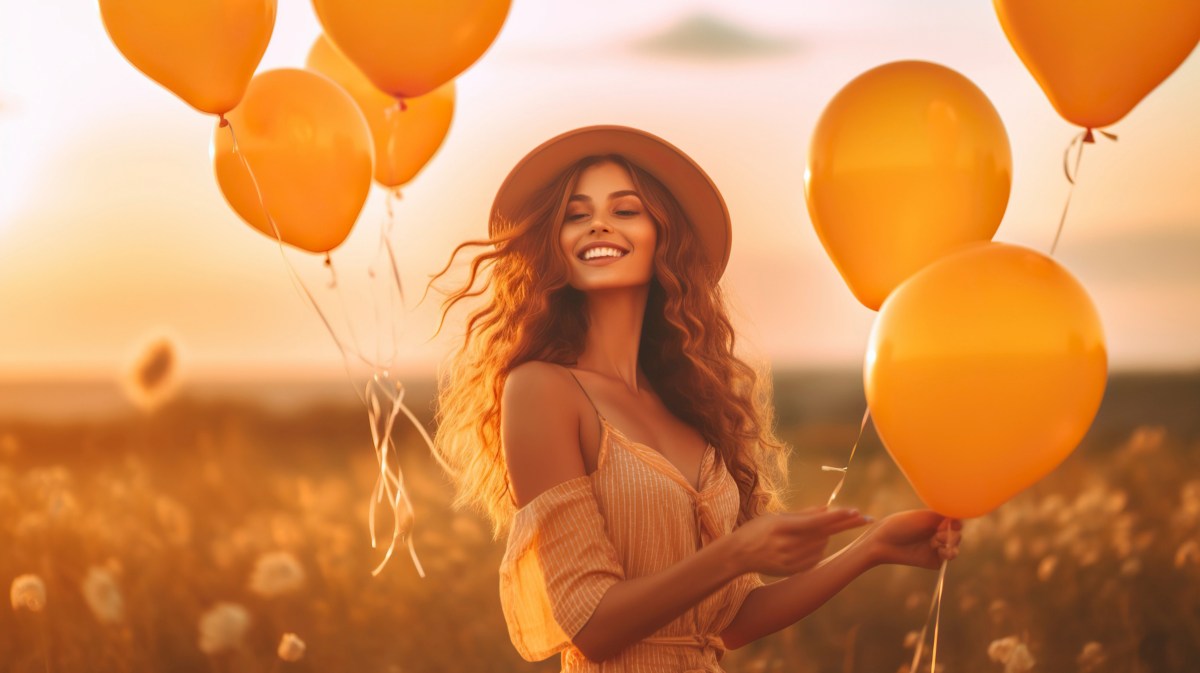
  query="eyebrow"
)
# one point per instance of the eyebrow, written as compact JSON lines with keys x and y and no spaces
{"x":585,"y":197}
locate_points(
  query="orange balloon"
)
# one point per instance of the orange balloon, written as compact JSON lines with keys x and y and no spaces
{"x":310,"y":150}
{"x":1097,"y":59}
{"x":983,"y":372}
{"x":411,"y":48}
{"x":205,"y":51}
{"x":908,"y":161}
{"x":404,"y":140}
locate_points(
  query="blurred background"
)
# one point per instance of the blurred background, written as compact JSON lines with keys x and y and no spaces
{"x":185,"y":464}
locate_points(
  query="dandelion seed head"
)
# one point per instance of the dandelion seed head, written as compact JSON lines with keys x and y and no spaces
{"x":28,"y":592}
{"x":275,"y":574}
{"x":223,"y":627}
{"x":1020,"y":660}
{"x":291,"y":648}
{"x":1001,"y":650}
{"x":910,"y":639}
{"x":998,"y":610}
{"x":102,"y":596}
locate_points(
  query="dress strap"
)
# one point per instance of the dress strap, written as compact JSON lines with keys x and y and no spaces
{"x":585,"y":393}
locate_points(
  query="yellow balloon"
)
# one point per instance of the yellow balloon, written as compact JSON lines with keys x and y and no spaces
{"x":411,"y":48}
{"x":205,"y":51}
{"x":404,"y":140}
{"x":908,"y":161}
{"x":983,"y":372}
{"x":310,"y":150}
{"x":1096,"y":59}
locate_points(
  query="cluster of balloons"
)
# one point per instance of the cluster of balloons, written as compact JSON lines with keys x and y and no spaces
{"x":987,"y":361}
{"x":374,"y":102}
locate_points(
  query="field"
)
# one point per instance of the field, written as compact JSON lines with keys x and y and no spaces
{"x":139,"y":525}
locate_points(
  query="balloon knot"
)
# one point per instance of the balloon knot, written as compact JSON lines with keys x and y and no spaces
{"x":328,"y":260}
{"x":224,"y":122}
{"x":1088,"y":137}
{"x":403,"y":105}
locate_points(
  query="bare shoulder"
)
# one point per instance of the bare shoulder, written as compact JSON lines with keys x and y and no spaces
{"x":539,"y":429}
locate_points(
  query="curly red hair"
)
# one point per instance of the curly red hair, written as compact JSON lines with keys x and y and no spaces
{"x":533,"y":313}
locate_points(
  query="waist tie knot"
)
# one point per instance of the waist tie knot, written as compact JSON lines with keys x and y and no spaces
{"x":703,"y":641}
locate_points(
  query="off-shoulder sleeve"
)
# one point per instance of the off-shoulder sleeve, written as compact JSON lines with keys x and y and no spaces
{"x":557,"y":566}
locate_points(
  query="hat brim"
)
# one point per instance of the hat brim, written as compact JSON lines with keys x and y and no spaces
{"x":688,"y":183}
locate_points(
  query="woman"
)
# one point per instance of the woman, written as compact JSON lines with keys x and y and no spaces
{"x":596,"y":412}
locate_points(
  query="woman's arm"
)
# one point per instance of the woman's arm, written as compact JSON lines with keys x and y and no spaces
{"x":919,"y":538}
{"x":775,"y":606}
{"x":635,"y":608}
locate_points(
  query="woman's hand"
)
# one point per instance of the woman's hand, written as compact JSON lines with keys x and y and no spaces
{"x":787,"y":543}
{"x":921,"y":538}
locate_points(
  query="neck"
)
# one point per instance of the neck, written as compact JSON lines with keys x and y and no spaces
{"x":614,"y":333}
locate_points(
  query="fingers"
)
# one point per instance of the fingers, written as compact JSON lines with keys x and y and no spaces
{"x":846,"y":524}
{"x":820,"y":519}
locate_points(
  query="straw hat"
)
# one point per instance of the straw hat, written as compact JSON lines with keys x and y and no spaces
{"x":687,"y":182}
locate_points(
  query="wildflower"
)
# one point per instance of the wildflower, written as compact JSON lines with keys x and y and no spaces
{"x":1091,"y":658}
{"x":223,"y":627}
{"x":1012,"y":548}
{"x":1012,"y":653}
{"x":1188,"y":552}
{"x":291,"y":648}
{"x":151,"y":378}
{"x":28,"y":592}
{"x":1145,"y":439}
{"x":1046,"y":568}
{"x":275,"y":574}
{"x":102,"y":595}
{"x":1020,"y":661}
{"x":1001,"y":650}
{"x":910,"y":639}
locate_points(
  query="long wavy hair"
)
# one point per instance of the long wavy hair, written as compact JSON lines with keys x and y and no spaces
{"x":533,"y":313}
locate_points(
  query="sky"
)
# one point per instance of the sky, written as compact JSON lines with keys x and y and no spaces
{"x":113,"y":230}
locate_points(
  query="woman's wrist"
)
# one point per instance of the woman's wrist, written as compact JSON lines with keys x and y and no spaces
{"x":869,"y":550}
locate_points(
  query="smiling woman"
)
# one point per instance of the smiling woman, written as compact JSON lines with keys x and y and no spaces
{"x":597,"y":413}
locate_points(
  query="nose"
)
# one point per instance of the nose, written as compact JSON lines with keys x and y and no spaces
{"x":601,"y":225}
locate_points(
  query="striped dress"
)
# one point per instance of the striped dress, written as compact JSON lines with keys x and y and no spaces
{"x":635,"y":515}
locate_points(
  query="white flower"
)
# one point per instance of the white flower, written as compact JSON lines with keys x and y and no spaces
{"x":1001,"y":650}
{"x":102,"y":596}
{"x":275,"y":574}
{"x":1020,"y":660}
{"x":291,"y":648}
{"x":28,"y":592}
{"x":223,"y":627}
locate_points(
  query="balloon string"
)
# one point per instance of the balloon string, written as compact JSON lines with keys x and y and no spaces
{"x":1086,"y":137}
{"x":936,"y":604}
{"x":381,"y":434}
{"x":829,"y":468}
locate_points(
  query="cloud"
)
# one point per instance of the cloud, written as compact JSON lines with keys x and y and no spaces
{"x":707,"y":37}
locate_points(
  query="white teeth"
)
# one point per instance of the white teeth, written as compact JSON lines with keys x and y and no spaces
{"x":603,"y":252}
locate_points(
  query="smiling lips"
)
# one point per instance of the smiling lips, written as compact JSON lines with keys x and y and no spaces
{"x":601,"y":252}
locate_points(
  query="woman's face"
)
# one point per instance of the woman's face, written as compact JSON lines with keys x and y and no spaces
{"x":607,"y":235}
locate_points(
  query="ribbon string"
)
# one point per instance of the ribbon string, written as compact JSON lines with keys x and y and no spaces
{"x":936,"y":604}
{"x":1085,"y":137}
{"x":829,"y":468}
{"x":382,"y":397}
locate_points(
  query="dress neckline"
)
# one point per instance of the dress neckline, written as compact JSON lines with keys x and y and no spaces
{"x":671,"y":469}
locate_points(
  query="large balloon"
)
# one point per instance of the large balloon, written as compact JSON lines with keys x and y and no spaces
{"x":205,"y":51}
{"x":404,"y":140}
{"x":310,"y":150}
{"x":908,"y":161}
{"x":983,"y":372}
{"x":411,"y":48}
{"x":1096,"y":59}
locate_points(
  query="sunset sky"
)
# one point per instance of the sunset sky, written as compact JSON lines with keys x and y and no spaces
{"x":113,"y":229}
